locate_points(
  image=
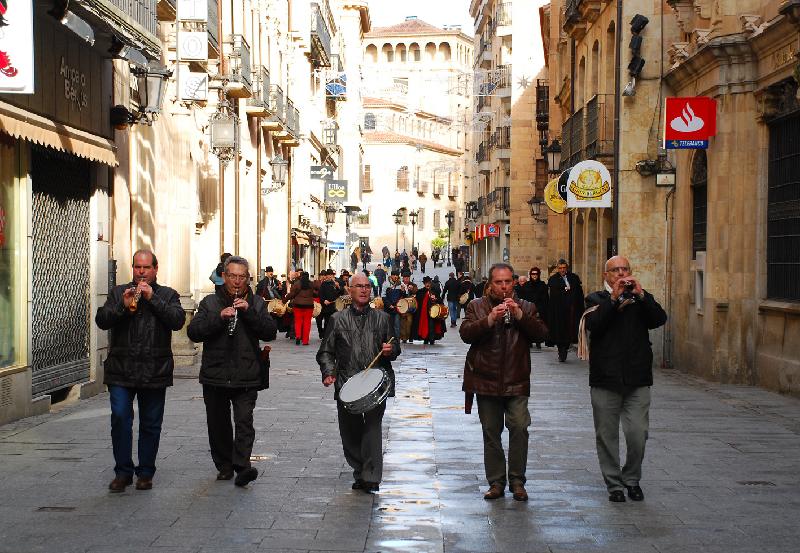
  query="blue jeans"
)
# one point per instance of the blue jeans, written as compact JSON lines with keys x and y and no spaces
{"x":453,"y":306}
{"x":151,"y":414}
{"x":394,"y":323}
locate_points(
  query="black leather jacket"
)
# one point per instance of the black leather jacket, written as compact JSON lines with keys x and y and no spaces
{"x":354,"y":340}
{"x":140,"y":343}
{"x":231,"y":361}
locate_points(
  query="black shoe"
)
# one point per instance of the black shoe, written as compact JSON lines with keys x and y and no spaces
{"x":225,"y":474}
{"x":635,"y":493}
{"x":297,"y":341}
{"x":538,"y":346}
{"x":370,"y":487}
{"x":357,"y":485}
{"x":616,"y":496}
{"x":246,"y":476}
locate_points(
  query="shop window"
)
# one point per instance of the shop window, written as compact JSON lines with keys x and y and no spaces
{"x":783,"y":209}
{"x":369,"y":122}
{"x":699,"y":202}
{"x":402,"y":178}
{"x":11,"y":243}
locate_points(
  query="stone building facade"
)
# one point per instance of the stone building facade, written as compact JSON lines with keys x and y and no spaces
{"x":735,"y":215}
{"x":416,"y":100}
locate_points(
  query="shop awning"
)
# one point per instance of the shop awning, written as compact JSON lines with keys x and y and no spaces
{"x":301,"y":238}
{"x":46,"y":132}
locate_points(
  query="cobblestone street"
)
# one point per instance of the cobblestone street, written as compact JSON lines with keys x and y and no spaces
{"x":720,"y":473}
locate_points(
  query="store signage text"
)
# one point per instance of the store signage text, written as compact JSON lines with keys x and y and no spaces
{"x":75,"y":85}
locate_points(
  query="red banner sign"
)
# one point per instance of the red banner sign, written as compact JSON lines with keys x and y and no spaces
{"x":690,"y":122}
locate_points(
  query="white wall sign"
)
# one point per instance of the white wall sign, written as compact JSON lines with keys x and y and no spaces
{"x":193,"y":10}
{"x":193,"y":85}
{"x":193,"y":46}
{"x":589,"y":185}
{"x":16,"y":47}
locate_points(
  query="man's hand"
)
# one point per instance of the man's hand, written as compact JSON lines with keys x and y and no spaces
{"x":145,"y":289}
{"x":386,"y":349}
{"x":326,"y":302}
{"x":496,"y":313}
{"x":227,"y":313}
{"x":127,"y":297}
{"x":516,"y":310}
{"x":240,"y":304}
{"x":328,"y":380}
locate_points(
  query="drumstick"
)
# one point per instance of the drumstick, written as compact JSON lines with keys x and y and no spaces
{"x":379,"y":355}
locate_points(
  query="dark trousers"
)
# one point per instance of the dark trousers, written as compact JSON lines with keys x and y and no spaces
{"x":226,"y":451}
{"x":563,"y":348}
{"x":362,"y":442}
{"x":322,"y":323}
{"x":493,"y":411}
{"x":151,"y":415}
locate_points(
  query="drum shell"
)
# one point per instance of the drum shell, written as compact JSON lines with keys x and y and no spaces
{"x":407,"y":306}
{"x":368,"y":399}
{"x":342,"y":302}
{"x":277,"y":307}
{"x":317,"y":309}
{"x":439,"y":311}
{"x":463,"y":299}
{"x":377,"y":303}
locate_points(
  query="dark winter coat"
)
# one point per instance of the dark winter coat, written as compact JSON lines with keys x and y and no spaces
{"x":499,"y":358}
{"x":231,"y":361}
{"x":140,"y":343}
{"x":354,"y":339}
{"x":535,"y":291}
{"x":620,"y":352}
{"x":328,"y":291}
{"x":452,"y":289}
{"x":303,"y":297}
{"x":564,"y":308}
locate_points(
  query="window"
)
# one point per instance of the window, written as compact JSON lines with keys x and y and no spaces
{"x":369,"y":121}
{"x":363,"y":218}
{"x":367,"y":181}
{"x":783,"y":209}
{"x":402,"y":178}
{"x":437,"y":219}
{"x":421,"y":218}
{"x":699,"y":202}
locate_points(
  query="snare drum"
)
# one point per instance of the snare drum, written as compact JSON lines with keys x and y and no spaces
{"x":342,"y":302}
{"x":377,"y":303}
{"x":438,"y":311}
{"x":317,"y":309}
{"x":407,"y":306}
{"x":365,"y":390}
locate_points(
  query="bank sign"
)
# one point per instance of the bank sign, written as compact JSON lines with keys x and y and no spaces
{"x":690,"y":122}
{"x":16,"y":47}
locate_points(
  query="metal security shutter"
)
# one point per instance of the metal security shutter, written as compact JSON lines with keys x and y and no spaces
{"x":60,"y":270}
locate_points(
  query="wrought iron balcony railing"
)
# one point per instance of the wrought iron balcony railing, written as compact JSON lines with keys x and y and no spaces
{"x":600,"y":126}
{"x":277,"y":102}
{"x":503,"y":15}
{"x":240,"y":60}
{"x":292,"y":118}
{"x":320,"y":38}
{"x":542,"y":105}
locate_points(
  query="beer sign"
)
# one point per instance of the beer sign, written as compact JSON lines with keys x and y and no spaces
{"x":589,"y":185}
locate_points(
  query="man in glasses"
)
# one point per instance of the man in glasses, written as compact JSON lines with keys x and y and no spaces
{"x":230,"y":324}
{"x":619,"y":319}
{"x":565,"y":308}
{"x":358,"y":333}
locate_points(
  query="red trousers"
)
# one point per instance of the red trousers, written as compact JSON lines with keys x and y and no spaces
{"x":302,"y":323}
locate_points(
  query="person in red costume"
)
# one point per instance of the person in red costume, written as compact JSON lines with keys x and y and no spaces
{"x":426,"y":328}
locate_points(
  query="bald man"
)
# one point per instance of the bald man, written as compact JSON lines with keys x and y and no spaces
{"x":619,"y":319}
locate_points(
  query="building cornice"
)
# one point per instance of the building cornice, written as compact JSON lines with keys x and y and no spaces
{"x":733,"y":60}
{"x":363,"y":9}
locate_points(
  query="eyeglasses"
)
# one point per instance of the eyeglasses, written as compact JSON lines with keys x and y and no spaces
{"x":618,"y":269}
{"x":362,"y":286}
{"x":235,"y":277}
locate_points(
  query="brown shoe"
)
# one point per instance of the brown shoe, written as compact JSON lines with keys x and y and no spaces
{"x":519,"y":492}
{"x":119,"y":483}
{"x":495,"y":491}
{"x":144,"y":483}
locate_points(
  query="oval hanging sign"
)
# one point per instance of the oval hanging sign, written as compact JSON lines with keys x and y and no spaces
{"x":552,"y":197}
{"x":589,"y":185}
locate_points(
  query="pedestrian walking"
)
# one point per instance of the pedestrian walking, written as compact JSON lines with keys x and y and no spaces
{"x":407,"y":319}
{"x":395,"y":291}
{"x":302,"y":296}
{"x":423,"y":259}
{"x":269,"y":287}
{"x":428,"y":328}
{"x":499,"y":331}
{"x":479,"y":288}
{"x":435,"y":257}
{"x":452,"y":292}
{"x":380,"y":276}
{"x":230,"y":324}
{"x":328,"y":292}
{"x":216,"y":274}
{"x":535,"y":291}
{"x":565,"y":308}
{"x":618,"y":320}
{"x":140,"y":317}
{"x":357,"y":334}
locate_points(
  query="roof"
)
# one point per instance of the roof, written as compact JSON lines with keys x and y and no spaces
{"x":412,"y":27}
{"x":391,"y":137}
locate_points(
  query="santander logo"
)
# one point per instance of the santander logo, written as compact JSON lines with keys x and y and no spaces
{"x":688,"y":121}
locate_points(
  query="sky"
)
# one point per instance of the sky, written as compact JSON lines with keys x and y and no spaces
{"x":435,"y":12}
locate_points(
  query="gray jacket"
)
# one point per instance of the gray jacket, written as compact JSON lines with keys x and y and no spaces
{"x":351,"y":343}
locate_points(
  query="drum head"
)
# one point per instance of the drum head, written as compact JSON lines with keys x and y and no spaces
{"x":361,"y":384}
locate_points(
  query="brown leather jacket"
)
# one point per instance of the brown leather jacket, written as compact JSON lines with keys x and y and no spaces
{"x":499,"y":357}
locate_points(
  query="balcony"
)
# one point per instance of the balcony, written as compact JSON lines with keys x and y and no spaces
{"x":277,"y":109}
{"x":482,"y":206}
{"x":503,"y":79}
{"x":503,"y":18}
{"x":438,"y":188}
{"x":320,"y":38}
{"x":422,"y":187}
{"x":566,"y":143}
{"x":576,"y":141}
{"x":502,"y":200}
{"x":600,"y":126}
{"x":133,"y":21}
{"x":483,"y":103}
{"x":503,"y":137}
{"x":452,"y":191}
{"x":542,"y":105}
{"x":289,"y":134}
{"x":574,"y":24}
{"x":258,"y":104}
{"x":240,"y":84}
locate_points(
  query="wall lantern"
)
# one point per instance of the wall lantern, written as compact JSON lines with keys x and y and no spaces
{"x":224,"y":124}
{"x":472,"y":210}
{"x":536,"y":203}
{"x":330,"y":213}
{"x":553,"y":153}
{"x":280,"y":167}
{"x":151,"y":82}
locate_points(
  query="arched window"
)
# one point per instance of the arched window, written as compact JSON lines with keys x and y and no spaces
{"x":595,"y":69}
{"x":444,"y":51}
{"x":372,"y":54}
{"x":430,"y":52}
{"x":401,"y":53}
{"x":402,"y":178}
{"x":699,"y":183}
{"x":369,"y":122}
{"x":414,"y":52}
{"x":608,"y":74}
{"x":388,"y":52}
{"x":580,"y":90}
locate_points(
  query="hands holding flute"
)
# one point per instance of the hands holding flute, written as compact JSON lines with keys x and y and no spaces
{"x":130,"y":297}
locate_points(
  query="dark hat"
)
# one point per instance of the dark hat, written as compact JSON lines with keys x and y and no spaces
{"x":405,"y":273}
{"x":395,"y":272}
{"x":269,"y":269}
{"x":426,"y":279}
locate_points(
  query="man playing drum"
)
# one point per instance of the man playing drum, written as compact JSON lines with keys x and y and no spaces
{"x":357,"y":333}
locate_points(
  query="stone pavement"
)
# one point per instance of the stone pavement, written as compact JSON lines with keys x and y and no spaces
{"x":721,"y":473}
